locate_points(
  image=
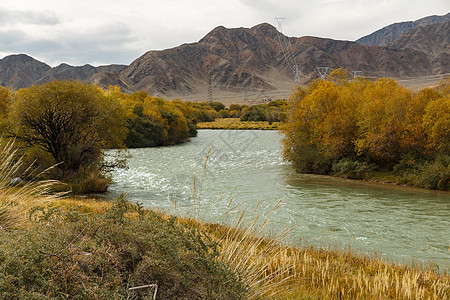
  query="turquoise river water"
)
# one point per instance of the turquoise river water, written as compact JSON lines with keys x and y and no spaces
{"x":397,"y":223}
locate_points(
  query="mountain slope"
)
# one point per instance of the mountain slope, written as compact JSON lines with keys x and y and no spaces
{"x":391,"y":33}
{"x":257,"y":60}
{"x":19,"y":71}
{"x":240,"y":59}
{"x":65,"y":71}
{"x":234,"y":58}
{"x":432,"y":39}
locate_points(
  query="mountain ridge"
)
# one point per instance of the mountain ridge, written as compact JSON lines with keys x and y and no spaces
{"x":21,"y":70}
{"x":244,"y":60}
{"x":391,"y":33}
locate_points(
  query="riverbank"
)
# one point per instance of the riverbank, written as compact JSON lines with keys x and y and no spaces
{"x":267,"y":268}
{"x":391,"y":178}
{"x":237,"y":124}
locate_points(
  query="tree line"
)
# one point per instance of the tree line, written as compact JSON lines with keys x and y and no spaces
{"x":354,"y":126}
{"x":68,"y":124}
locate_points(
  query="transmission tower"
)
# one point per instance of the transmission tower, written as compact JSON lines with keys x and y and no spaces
{"x":297,"y":75}
{"x":357,"y":74}
{"x":210,"y":94}
{"x":280,"y":21}
{"x":246,"y":94}
{"x":285,"y":47}
{"x":323,"y":72}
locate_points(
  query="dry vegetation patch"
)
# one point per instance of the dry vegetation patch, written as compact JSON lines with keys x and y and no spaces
{"x":273,"y":270}
{"x":236,"y":124}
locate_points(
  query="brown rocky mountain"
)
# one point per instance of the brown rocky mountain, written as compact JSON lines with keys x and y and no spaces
{"x":18,"y":71}
{"x":391,"y":33}
{"x":65,"y":71}
{"x":434,"y":40}
{"x":242,"y":61}
{"x":252,"y":59}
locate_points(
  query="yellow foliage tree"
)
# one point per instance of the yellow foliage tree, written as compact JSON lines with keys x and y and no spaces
{"x":70,"y":120}
{"x":380,"y":121}
{"x":436,"y":123}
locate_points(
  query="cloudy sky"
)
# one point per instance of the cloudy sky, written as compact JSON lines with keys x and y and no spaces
{"x":118,"y":31}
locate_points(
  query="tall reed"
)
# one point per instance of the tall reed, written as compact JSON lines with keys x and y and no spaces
{"x":16,"y":198}
{"x":273,"y":270}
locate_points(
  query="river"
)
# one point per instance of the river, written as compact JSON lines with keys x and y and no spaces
{"x":245,"y":167}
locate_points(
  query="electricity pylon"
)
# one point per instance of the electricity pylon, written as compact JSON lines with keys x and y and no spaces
{"x":210,"y":95}
{"x":357,"y":74}
{"x":285,"y":46}
{"x":323,"y":72}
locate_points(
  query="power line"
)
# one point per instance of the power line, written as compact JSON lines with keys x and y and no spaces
{"x":297,"y":74}
{"x":286,"y":48}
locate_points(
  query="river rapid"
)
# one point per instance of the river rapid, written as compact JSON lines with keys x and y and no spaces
{"x":245,"y":167}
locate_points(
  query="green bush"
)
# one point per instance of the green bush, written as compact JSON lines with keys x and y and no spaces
{"x":308,"y":158}
{"x":144,"y":133}
{"x":433,"y":174}
{"x":255,"y":113}
{"x":218,"y":106}
{"x":70,"y":255}
{"x":352,"y":168}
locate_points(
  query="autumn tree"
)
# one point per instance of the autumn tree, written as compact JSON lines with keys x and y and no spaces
{"x":436,"y":123}
{"x":381,"y":120}
{"x":154,"y":121}
{"x":322,"y":122}
{"x":5,"y":95}
{"x":70,"y":120}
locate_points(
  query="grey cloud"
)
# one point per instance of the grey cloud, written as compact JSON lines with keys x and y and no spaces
{"x":108,"y":44}
{"x":274,"y":8}
{"x":47,"y":17}
{"x":18,"y":42}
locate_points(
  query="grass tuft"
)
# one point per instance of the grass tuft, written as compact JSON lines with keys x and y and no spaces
{"x":24,"y":192}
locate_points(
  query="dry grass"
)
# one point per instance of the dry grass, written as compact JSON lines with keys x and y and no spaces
{"x":16,"y":199}
{"x":272,"y":270}
{"x":237,"y":124}
{"x":84,"y":205}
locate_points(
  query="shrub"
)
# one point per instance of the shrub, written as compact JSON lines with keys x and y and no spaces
{"x":377,"y":122}
{"x":217,"y":106}
{"x":309,"y":159}
{"x":73,"y":255}
{"x":433,"y":174}
{"x":254,"y":113}
{"x":352,"y":168}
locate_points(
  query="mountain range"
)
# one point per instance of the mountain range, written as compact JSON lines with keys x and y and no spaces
{"x":260,"y":60}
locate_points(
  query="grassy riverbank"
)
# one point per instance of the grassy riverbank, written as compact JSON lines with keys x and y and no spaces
{"x":55,"y":248}
{"x":93,"y":249}
{"x":237,"y":124}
